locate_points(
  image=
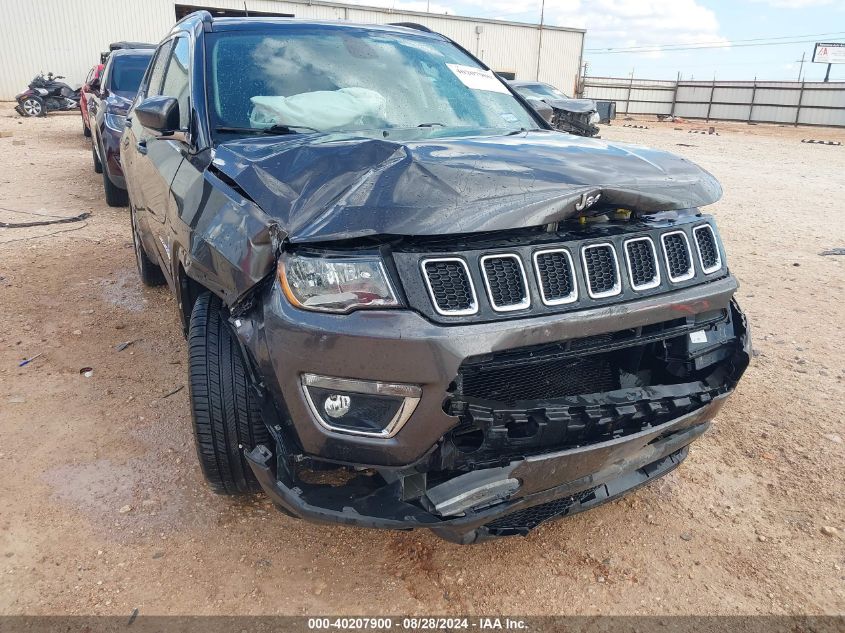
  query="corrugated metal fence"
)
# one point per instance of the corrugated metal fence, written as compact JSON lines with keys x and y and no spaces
{"x":794,"y":102}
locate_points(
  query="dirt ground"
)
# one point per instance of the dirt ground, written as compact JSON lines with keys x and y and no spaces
{"x":104,"y":509}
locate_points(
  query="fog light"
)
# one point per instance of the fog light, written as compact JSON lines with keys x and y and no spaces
{"x":360,"y":407}
{"x":336,"y":405}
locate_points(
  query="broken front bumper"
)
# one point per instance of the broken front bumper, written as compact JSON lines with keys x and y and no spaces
{"x":584,"y":449}
{"x":548,"y":486}
{"x":551,"y":486}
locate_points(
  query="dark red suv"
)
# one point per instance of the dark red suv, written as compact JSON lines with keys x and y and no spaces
{"x":93,"y":74}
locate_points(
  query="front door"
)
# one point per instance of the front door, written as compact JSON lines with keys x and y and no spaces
{"x":158,"y":158}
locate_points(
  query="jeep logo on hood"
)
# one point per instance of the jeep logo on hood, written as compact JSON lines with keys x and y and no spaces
{"x":586,"y":201}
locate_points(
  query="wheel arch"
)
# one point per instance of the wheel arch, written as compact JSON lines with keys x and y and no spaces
{"x":188,"y":290}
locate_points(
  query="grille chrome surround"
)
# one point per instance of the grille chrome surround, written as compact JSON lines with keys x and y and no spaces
{"x":464,"y":312}
{"x":707,"y":270}
{"x":563,"y":272}
{"x":526,"y":300}
{"x":617,"y":286}
{"x":573,"y":294}
{"x":691,"y":270}
{"x":656,"y":279}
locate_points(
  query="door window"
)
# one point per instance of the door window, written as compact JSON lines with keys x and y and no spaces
{"x":176,"y":82}
{"x":157,"y":70}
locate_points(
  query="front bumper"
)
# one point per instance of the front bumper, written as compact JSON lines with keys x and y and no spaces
{"x":475,"y":501}
{"x":552,"y":485}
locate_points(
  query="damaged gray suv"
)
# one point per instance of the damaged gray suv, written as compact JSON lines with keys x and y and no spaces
{"x":409,"y":302}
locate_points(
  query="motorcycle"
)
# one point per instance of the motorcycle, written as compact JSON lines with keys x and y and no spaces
{"x":47,"y":94}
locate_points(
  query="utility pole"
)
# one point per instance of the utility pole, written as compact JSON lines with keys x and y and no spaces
{"x":582,"y":88}
{"x":540,"y":42}
{"x":801,"y":67}
{"x":628,"y":98}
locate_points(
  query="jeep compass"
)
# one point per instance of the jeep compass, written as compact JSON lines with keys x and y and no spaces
{"x":409,"y":302}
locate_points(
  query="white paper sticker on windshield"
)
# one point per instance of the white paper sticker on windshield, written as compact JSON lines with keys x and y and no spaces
{"x":477,"y":79}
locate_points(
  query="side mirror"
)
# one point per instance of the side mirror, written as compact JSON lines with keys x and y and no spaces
{"x":159,"y":114}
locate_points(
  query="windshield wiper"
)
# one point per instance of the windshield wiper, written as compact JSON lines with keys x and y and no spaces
{"x":431,"y":125}
{"x":273,"y":129}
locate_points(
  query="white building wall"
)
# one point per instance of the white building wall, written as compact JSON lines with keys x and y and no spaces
{"x":67,"y":36}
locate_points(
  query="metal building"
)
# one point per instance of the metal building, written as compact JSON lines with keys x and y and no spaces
{"x":67,"y":36}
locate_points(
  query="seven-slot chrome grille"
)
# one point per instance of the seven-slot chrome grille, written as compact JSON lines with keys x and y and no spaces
{"x":526,"y":279}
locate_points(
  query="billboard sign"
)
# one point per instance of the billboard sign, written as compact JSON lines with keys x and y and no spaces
{"x":832,"y":53}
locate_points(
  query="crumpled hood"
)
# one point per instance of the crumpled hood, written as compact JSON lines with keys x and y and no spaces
{"x":331,"y":187}
{"x":578,"y":106}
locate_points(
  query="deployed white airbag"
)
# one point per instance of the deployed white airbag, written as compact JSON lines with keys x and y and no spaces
{"x":322,"y":110}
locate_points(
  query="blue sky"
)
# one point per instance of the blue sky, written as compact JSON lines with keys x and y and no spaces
{"x":644,"y":23}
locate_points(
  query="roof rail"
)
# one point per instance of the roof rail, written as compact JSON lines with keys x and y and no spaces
{"x":412,"y":25}
{"x":202,"y":15}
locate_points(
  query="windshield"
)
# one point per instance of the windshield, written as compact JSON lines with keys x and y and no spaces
{"x":127,"y":72}
{"x":540,"y":91}
{"x":339,"y":79}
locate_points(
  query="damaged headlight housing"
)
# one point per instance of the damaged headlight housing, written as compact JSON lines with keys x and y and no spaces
{"x":336,"y":284}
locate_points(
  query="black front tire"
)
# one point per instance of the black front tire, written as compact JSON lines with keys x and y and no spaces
{"x":224,"y":409}
{"x":115,"y":196}
{"x":149,"y":272}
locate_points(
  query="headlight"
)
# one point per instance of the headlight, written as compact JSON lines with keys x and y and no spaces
{"x":336,"y":284}
{"x":595,"y":118}
{"x":115,"y":121}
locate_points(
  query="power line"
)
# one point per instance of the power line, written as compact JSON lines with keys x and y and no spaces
{"x":721,"y":42}
{"x":695,"y":48}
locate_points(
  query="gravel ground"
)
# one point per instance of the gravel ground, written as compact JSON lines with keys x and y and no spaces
{"x":105,"y":511}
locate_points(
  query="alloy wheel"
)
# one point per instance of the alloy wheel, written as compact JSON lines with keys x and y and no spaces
{"x":32,"y":107}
